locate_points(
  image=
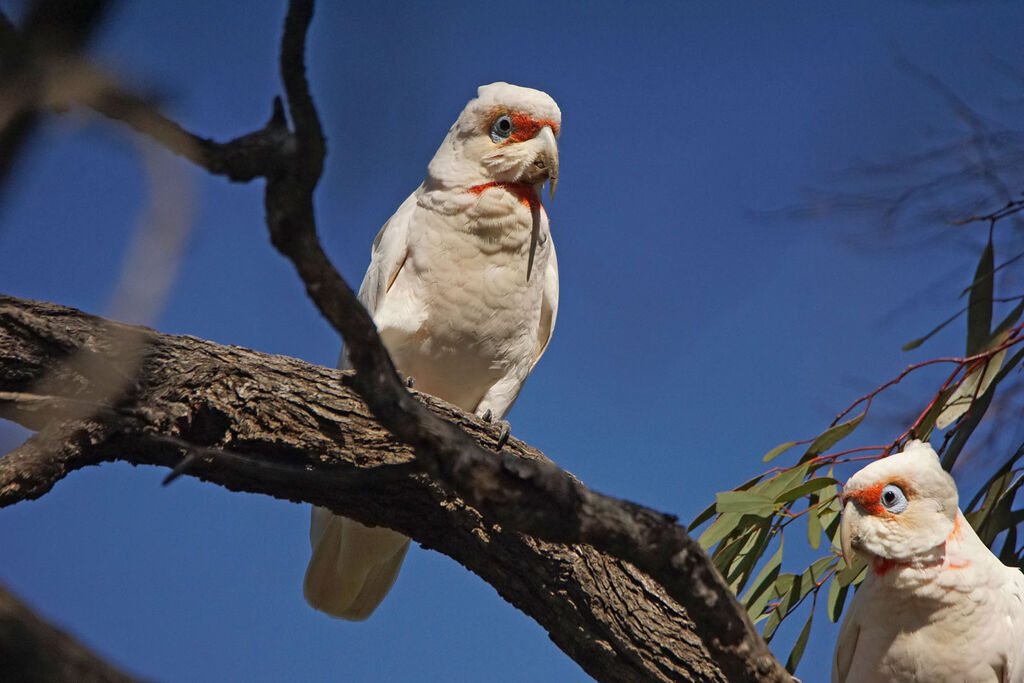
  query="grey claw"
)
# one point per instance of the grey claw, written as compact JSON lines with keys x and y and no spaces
{"x":488,"y":416}
{"x":506,"y":430}
{"x":409,"y":381}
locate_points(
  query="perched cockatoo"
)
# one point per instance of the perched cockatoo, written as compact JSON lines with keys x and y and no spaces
{"x":936,"y":605}
{"x":463,"y":287}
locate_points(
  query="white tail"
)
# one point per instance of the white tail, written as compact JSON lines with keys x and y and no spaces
{"x":353,"y":566}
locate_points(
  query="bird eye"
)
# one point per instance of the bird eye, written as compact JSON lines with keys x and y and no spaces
{"x":501,"y":129}
{"x":893,"y":499}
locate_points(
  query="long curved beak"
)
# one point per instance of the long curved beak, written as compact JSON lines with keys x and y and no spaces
{"x":848,"y":528}
{"x":548,"y":154}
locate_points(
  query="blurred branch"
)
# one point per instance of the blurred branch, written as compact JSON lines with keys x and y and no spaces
{"x":53,"y":31}
{"x":33,"y":650}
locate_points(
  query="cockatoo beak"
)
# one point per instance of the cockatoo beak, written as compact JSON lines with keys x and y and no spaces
{"x":848,"y":529}
{"x":547,"y":157}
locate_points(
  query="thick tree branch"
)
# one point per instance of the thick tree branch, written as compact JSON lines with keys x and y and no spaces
{"x":278,"y":426}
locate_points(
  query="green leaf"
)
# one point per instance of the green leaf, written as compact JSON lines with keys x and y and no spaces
{"x":777,"y":451}
{"x":964,"y":430}
{"x":914,"y":343}
{"x":813,"y":527}
{"x":804,"y":489}
{"x":732,"y":545}
{"x":820,"y":567}
{"x":778,"y":588}
{"x":704,"y":516}
{"x":1009,"y":321}
{"x":979,"y":303}
{"x":745,"y":562}
{"x":852,"y":574}
{"x":764,"y":579}
{"x":796,"y":591}
{"x":744,"y":502}
{"x":832,"y":436}
{"x":836,"y":598}
{"x":783,"y":481}
{"x":828,"y":512}
{"x":798,"y":648}
{"x":719,"y":529}
{"x":709,"y":511}
{"x":969,"y":392}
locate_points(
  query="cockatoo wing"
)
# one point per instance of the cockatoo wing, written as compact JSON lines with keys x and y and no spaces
{"x":390,"y":249}
{"x":354,"y":566}
{"x":549,"y":307}
{"x":1014,"y":598}
{"x":846,"y":646}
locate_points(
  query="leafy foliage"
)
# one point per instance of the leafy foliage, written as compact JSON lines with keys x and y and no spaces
{"x":750,"y":522}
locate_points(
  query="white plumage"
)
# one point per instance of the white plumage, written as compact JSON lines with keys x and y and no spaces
{"x":463,"y":287}
{"x":936,"y":605}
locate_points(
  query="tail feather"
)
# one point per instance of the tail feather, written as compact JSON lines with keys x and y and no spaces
{"x":353,"y":566}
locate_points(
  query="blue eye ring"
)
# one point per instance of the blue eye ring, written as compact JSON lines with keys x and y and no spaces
{"x":893,"y":499}
{"x":502,"y":128}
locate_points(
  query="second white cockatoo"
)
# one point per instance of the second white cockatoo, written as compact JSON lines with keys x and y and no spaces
{"x":463,"y":288}
{"x":936,"y":604}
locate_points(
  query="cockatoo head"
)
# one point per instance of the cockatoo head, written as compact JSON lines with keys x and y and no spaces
{"x":898,"y":508}
{"x":506,"y":135}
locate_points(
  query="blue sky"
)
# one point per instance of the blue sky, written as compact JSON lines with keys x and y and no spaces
{"x":694,"y":332}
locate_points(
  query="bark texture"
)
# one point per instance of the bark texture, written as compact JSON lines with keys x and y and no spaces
{"x":275,"y":425}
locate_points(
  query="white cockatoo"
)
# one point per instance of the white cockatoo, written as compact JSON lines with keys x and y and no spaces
{"x":936,"y":604}
{"x":463,"y":287}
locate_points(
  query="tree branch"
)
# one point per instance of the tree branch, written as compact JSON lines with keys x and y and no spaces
{"x":248,"y":421}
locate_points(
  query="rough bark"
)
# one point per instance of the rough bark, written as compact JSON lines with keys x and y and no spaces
{"x":275,"y":425}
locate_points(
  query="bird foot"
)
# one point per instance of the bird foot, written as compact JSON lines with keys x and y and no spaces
{"x":410,"y":381}
{"x":506,"y":429}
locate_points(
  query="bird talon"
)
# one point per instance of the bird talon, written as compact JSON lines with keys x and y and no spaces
{"x":506,"y":431}
{"x":410,"y":381}
{"x":488,"y":416}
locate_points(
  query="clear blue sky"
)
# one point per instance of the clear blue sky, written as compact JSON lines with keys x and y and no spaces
{"x":693,"y":333}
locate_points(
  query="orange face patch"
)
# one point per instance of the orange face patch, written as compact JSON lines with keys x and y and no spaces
{"x":524,"y":126}
{"x":870,"y":498}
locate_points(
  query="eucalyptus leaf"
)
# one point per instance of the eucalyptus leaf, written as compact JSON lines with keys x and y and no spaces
{"x":836,"y":598}
{"x":805,"y":488}
{"x":719,"y":529}
{"x":777,"y":451}
{"x":832,"y":436}
{"x":971,"y":387}
{"x":764,"y":578}
{"x":813,"y":527}
{"x":745,"y":502}
{"x":979,"y":303}
{"x":798,"y":648}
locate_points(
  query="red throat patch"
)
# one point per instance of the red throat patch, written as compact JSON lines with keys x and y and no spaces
{"x":523,"y":192}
